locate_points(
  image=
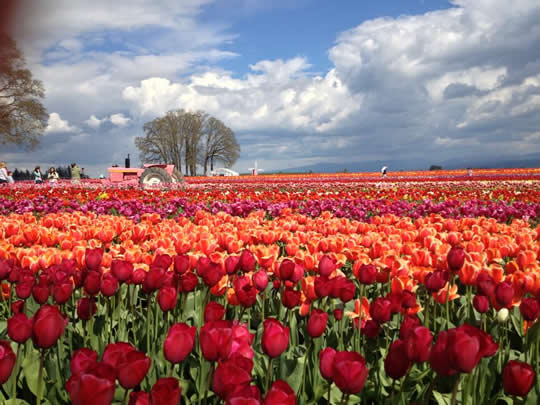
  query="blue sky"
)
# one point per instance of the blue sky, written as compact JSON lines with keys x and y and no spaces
{"x":407,"y":83}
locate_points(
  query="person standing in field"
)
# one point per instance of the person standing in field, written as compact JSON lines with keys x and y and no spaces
{"x":383,"y":171}
{"x":75,"y":174}
{"x":4,"y":174}
{"x":52,"y":175}
{"x":37,"y":175}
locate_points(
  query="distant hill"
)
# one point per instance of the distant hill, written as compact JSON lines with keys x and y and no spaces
{"x":531,"y":160}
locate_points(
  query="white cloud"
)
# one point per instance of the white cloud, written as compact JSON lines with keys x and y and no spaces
{"x":119,"y":120}
{"x":57,"y":124}
{"x":93,"y":121}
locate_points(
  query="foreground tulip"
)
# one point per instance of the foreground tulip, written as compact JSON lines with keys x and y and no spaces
{"x":132,"y":370}
{"x":7,"y":361}
{"x":86,"y":308}
{"x":518,"y":378}
{"x":260,"y":280}
{"x":48,"y":326}
{"x":326,"y":363}
{"x":275,"y":337}
{"x":93,"y":386}
{"x":122,"y":270}
{"x":213,"y":311}
{"x":231,"y":375}
{"x":438,"y":358}
{"x":139,"y":398}
{"x":418,"y":343}
{"x":481,"y":303}
{"x":397,"y":363}
{"x":504,"y":292}
{"x":455,"y":258}
{"x":316,"y":324}
{"x":166,"y":391}
{"x":326,"y":266}
{"x":82,"y":360}
{"x":19,"y":328}
{"x":179,"y":342}
{"x":93,"y":258}
{"x":349,"y":372}
{"x":530,"y":309}
{"x":280,"y":394}
{"x":380,"y":310}
{"x":167,"y":297}
{"x":215,"y":339}
{"x":367,"y":274}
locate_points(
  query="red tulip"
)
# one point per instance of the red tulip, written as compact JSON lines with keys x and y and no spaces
{"x":82,"y":360}
{"x":286,"y":269}
{"x":397,"y":363}
{"x":5,"y":268}
{"x":181,"y":264}
{"x":247,"y":261}
{"x":280,"y":394}
{"x":210,"y":272}
{"x":322,"y":286}
{"x":115,"y":353}
{"x":62,"y":292}
{"x":275,"y":337}
{"x":41,"y":292}
{"x":346,"y":288}
{"x":408,"y":299}
{"x":179,"y":342}
{"x":92,"y":283}
{"x":409,"y":323}
{"x":518,"y":378}
{"x":24,"y":289}
{"x":367,"y":274}
{"x":17,"y":307}
{"x":380,"y":310}
{"x":132,"y":370}
{"x":167,"y":298}
{"x":291,"y":298}
{"x":418,"y":343}
{"x":316,"y":324}
{"x":163,"y":261}
{"x":188,"y":282}
{"x":530,"y":309}
{"x":93,"y":258}
{"x":350,"y":372}
{"x":213,"y":311}
{"x":455,"y":258}
{"x":326,"y":363}
{"x":467,"y":345}
{"x":7,"y":361}
{"x":94,"y":386}
{"x":260,"y":280}
{"x":485,"y":284}
{"x":48,"y":326}
{"x":153,"y":280}
{"x":109,"y":284}
{"x":19,"y":328}
{"x":232,"y":264}
{"x":435,"y":281}
{"x":338,"y":314}
{"x":245,"y":291}
{"x":138,"y":277}
{"x":86,"y":308}
{"x":122,"y":270}
{"x":166,"y":391}
{"x":438,"y":358}
{"x":504,"y":292}
{"x":215,"y":339}
{"x":326,"y":266}
{"x":370,"y":328}
{"x":139,"y":398}
{"x":481,"y":303}
{"x":231,"y":375}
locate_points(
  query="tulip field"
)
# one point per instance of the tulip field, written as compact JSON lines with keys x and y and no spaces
{"x":320,"y":289}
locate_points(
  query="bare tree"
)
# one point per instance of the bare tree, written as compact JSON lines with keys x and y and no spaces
{"x":218,"y":143}
{"x":22,"y":116}
{"x":182,"y":137}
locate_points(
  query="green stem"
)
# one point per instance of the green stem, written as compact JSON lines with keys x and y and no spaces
{"x":447,"y":302}
{"x":40,"y":378}
{"x":16,"y":372}
{"x":329,"y":390}
{"x":210,"y":375}
{"x":455,"y":390}
{"x":148,"y":320}
{"x":268,"y":375}
{"x":124,"y":401}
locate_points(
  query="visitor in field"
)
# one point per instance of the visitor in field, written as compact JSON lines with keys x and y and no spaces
{"x":4,"y":174}
{"x":75,"y":174}
{"x":38,"y":179}
{"x":383,"y":171}
{"x":52,"y":175}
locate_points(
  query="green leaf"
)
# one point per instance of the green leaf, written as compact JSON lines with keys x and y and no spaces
{"x":16,"y":402}
{"x":30,"y":368}
{"x":442,"y":399}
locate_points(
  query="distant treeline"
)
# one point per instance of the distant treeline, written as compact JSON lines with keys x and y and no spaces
{"x":64,"y":172}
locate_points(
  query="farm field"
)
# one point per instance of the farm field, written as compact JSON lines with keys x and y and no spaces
{"x":421,"y":287}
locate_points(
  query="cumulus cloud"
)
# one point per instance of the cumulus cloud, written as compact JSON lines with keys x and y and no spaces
{"x":93,"y":121}
{"x":57,"y":124}
{"x":119,"y":120}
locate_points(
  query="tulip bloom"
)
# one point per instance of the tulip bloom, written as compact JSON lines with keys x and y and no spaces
{"x":166,"y":391}
{"x":122,"y":270}
{"x":132,"y":370}
{"x":139,"y":398}
{"x":231,"y":375}
{"x":7,"y":361}
{"x":48,"y":326}
{"x":167,"y":297}
{"x":397,"y":362}
{"x":280,"y":394}
{"x":215,"y":339}
{"x":93,"y":258}
{"x":82,"y":360}
{"x":94,"y":386}
{"x":481,"y":303}
{"x":380,"y":310}
{"x":530,"y":309}
{"x":438,"y":358}
{"x":316,"y":323}
{"x":455,"y":258}
{"x":19,"y":328}
{"x":326,"y":363}
{"x":349,"y":372}
{"x":275,"y":337}
{"x":504,"y":292}
{"x":213,"y":311}
{"x":86,"y":308}
{"x":366,"y":274}
{"x":418,"y":343}
{"x":179,"y":342}
{"x":518,"y":378}
{"x":326,"y":266}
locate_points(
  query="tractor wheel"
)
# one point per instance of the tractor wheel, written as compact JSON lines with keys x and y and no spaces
{"x":177,"y":176}
{"x":153,"y":176}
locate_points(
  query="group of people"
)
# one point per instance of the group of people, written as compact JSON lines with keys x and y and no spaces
{"x":52,"y":176}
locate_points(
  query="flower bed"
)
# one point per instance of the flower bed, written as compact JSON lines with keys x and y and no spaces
{"x":305,"y":293}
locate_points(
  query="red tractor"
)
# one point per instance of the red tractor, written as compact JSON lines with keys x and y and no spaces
{"x":149,"y":175}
